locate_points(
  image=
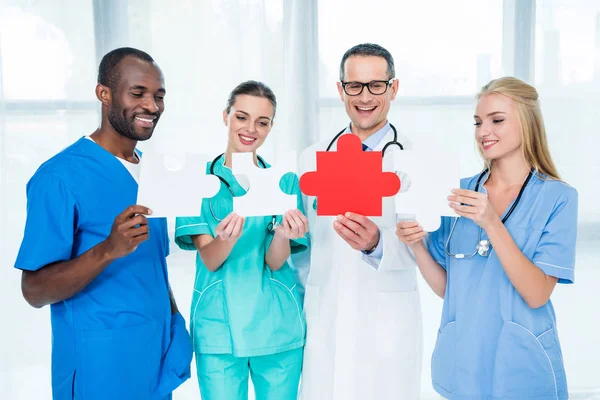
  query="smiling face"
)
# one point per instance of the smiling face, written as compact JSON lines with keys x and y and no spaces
{"x":368,"y":112}
{"x":137,"y":101}
{"x":497,"y":128}
{"x":249,"y":120}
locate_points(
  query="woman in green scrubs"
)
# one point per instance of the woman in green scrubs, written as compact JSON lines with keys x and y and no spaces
{"x":246,"y":316}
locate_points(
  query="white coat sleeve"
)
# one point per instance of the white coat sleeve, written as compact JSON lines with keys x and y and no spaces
{"x":374,"y":258}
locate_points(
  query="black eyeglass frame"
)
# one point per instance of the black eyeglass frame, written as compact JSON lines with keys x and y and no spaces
{"x":388,"y":83}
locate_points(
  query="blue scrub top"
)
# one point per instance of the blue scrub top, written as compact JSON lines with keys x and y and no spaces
{"x":243,"y":308}
{"x":116,"y":339}
{"x":491,"y":344}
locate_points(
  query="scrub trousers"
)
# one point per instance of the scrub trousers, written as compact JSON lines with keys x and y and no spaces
{"x":225,"y":377}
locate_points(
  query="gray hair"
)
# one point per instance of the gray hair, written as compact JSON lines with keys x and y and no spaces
{"x":369,"y":49}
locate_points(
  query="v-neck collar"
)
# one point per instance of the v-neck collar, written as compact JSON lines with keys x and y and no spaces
{"x":534,"y":175}
{"x":115,"y":171}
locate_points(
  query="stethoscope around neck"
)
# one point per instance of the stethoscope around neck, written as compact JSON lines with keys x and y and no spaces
{"x":484,"y":247}
{"x":272,"y":225}
{"x":393,"y":142}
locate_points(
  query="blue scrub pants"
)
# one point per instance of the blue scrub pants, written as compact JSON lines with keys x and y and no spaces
{"x":275,"y":376}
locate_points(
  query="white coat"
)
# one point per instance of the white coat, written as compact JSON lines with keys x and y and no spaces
{"x":364,"y":331}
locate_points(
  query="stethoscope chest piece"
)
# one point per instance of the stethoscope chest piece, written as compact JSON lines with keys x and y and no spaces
{"x":484,"y":247}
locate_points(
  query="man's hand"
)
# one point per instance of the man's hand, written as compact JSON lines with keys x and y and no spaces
{"x":358,"y":231}
{"x":129,"y":229}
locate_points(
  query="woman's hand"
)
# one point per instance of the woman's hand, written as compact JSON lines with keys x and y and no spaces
{"x":410,"y":233}
{"x":230,"y":229}
{"x":294,"y":225}
{"x":473,"y":205}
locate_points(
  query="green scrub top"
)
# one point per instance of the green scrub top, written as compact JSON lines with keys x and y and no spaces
{"x":243,"y":308}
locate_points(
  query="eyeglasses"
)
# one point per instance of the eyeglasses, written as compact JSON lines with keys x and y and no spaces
{"x":375,"y":87}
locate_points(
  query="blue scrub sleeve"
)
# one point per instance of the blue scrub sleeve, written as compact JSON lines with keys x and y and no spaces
{"x":436,"y":242}
{"x":52,"y":212}
{"x":555,"y":252}
{"x":186,"y":227}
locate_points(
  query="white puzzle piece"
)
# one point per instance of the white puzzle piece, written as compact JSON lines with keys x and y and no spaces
{"x":174,"y":185}
{"x":432,"y":173}
{"x":264,"y":196}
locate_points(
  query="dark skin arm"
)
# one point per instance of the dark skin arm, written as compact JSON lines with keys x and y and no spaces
{"x":56,"y":282}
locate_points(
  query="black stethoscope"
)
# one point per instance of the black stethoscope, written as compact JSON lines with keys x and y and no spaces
{"x":271,"y":226}
{"x":393,"y":142}
{"x":484,"y":247}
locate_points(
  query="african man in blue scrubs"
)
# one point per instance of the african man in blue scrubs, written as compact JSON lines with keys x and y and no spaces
{"x":91,"y":254}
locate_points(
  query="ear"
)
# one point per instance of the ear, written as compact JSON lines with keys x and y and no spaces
{"x":104,"y":94}
{"x":340,"y":90}
{"x":394,"y":88}
{"x":225,"y":117}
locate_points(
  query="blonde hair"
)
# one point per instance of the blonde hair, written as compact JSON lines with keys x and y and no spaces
{"x":533,"y":133}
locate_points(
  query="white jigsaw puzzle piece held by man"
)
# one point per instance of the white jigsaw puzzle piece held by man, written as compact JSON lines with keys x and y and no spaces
{"x":174,"y":185}
{"x":264,"y":196}
{"x":433,"y":173}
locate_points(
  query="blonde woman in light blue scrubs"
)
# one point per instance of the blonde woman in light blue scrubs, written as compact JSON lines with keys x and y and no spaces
{"x":497,"y":265}
{"x":246,"y":316}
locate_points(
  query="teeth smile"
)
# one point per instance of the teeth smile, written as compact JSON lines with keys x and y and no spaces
{"x":247,"y":138}
{"x":148,"y":120}
{"x":366,"y":108}
{"x":489,"y":143}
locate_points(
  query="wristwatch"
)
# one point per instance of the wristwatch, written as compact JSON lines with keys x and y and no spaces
{"x":369,"y":252}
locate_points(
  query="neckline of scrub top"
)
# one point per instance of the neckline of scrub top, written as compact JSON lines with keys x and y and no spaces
{"x":534,"y":175}
{"x":227,"y":174}
{"x":136,"y":153}
{"x":124,"y":179}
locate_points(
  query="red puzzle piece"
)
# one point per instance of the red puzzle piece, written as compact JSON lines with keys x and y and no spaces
{"x":349,"y":179}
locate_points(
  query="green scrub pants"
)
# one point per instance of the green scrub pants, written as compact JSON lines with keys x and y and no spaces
{"x":225,"y":377}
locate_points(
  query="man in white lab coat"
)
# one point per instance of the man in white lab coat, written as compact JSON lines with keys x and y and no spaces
{"x":364,"y":334}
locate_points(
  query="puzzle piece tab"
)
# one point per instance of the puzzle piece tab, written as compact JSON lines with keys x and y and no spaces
{"x":174,"y":186}
{"x":349,"y":179}
{"x":433,"y":174}
{"x":264,"y":196}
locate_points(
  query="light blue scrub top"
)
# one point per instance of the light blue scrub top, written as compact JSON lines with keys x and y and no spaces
{"x":491,"y":344}
{"x":243,"y":308}
{"x":116,"y":339}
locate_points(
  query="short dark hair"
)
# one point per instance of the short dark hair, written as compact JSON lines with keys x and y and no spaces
{"x":369,"y":49}
{"x":108,"y":71}
{"x":252,"y":88}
